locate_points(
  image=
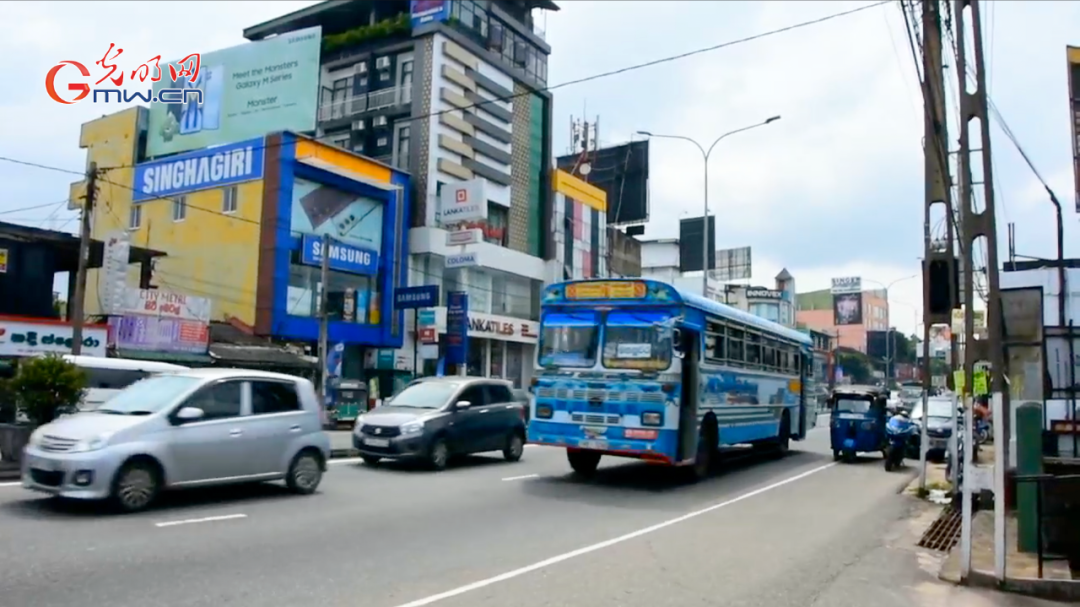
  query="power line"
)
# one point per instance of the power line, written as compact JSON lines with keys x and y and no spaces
{"x":31,"y":208}
{"x":615,"y":72}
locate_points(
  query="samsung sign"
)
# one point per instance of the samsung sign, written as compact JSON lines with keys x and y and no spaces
{"x":343,"y":257}
{"x":200,"y":170}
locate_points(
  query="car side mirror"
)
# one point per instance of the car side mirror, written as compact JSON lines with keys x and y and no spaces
{"x":462,"y":404}
{"x":190,"y":414}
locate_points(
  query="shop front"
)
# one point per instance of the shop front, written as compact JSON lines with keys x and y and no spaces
{"x":501,"y":347}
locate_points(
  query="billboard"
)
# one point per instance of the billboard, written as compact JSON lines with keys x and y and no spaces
{"x":691,"y":241}
{"x":847,"y":309}
{"x":849,"y":284}
{"x":622,"y":172}
{"x":247,"y":90}
{"x":1073,"y":58}
{"x":733,"y":264}
{"x":427,"y":11}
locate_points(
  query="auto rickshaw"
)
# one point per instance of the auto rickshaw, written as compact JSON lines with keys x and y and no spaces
{"x":857,"y":421}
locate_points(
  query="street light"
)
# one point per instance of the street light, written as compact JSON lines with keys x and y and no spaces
{"x":705,"y":153}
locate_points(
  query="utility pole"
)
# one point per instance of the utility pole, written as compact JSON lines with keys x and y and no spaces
{"x":324,"y":320}
{"x":939,"y":262}
{"x":78,"y":307}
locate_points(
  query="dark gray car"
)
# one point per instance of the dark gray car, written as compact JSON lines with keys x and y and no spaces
{"x":436,"y":418}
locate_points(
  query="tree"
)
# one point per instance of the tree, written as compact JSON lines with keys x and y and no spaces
{"x":855,"y":365}
{"x":44,"y":385}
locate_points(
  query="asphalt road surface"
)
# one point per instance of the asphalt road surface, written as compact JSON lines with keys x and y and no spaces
{"x":800,"y":531}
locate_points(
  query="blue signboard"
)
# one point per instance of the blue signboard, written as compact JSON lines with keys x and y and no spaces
{"x":343,"y":257}
{"x":207,"y":168}
{"x":426,"y":11}
{"x":411,"y":298}
{"x":457,"y":327}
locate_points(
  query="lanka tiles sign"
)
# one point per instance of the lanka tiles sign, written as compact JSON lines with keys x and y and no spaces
{"x":244,"y":91}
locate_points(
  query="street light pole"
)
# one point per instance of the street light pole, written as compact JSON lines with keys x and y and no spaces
{"x":888,"y":328}
{"x":705,"y":153}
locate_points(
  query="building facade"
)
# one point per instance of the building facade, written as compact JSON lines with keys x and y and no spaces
{"x":776,"y":304}
{"x":816,"y":310}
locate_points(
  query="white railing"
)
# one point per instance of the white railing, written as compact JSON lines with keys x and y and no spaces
{"x":359,"y":104}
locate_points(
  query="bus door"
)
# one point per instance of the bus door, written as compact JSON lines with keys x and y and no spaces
{"x":688,"y":348}
{"x":809,"y":412}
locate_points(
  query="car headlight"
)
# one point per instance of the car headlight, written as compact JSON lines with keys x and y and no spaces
{"x":36,"y":435}
{"x":358,"y":425}
{"x":412,"y":428}
{"x":91,"y":444}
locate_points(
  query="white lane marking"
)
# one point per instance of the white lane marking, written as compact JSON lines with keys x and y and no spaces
{"x":208,"y":519}
{"x":346,"y":460}
{"x":14,"y":484}
{"x":605,"y":544}
{"x":522,"y":477}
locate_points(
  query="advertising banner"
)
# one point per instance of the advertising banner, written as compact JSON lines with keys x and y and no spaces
{"x":165,"y":304}
{"x":850,"y":284}
{"x":427,"y":11}
{"x":22,"y":338}
{"x":159,"y":334}
{"x":115,"y":265}
{"x":457,"y":327}
{"x":348,"y":218}
{"x":247,"y":91}
{"x":3,"y":261}
{"x":847,"y":309}
{"x":201,"y":170}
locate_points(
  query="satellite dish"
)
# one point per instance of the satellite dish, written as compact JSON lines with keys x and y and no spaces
{"x":584,"y":169}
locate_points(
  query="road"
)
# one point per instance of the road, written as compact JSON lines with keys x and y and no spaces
{"x":796,"y":531}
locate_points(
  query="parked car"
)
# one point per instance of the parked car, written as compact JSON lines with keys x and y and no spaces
{"x":193,"y":428}
{"x":939,"y":425}
{"x":436,"y":418}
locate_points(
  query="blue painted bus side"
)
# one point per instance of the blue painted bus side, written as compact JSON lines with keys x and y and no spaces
{"x":588,"y":406}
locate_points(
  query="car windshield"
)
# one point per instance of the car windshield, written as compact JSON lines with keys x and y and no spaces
{"x":853,"y":405}
{"x":149,"y":395}
{"x":425,"y":395}
{"x":637,"y":340}
{"x":568,"y":340}
{"x":938,"y":407}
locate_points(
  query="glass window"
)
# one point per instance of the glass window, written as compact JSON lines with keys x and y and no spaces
{"x":568,"y":339}
{"x":228,"y":199}
{"x":219,"y":401}
{"x":474,"y":395}
{"x":498,"y":222}
{"x":402,"y":145}
{"x":179,"y":212}
{"x":269,"y":397}
{"x":425,"y":394}
{"x":852,"y":405}
{"x":637,"y":340}
{"x":498,"y":394}
{"x":149,"y":395}
{"x":351,"y":297}
{"x":135,"y":217}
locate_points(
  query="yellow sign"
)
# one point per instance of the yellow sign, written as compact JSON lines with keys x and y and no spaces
{"x":3,"y":261}
{"x":606,"y":290}
{"x":981,"y":381}
{"x":958,"y":381}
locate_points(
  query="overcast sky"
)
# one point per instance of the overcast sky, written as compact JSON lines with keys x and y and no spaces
{"x":832,"y":189}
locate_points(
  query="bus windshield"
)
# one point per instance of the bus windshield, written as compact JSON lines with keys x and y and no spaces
{"x":637,"y":340}
{"x":568,"y":339}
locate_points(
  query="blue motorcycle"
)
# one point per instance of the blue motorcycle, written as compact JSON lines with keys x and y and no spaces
{"x":898,"y":432}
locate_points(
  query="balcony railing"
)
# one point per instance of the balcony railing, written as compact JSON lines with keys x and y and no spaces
{"x":350,"y":106}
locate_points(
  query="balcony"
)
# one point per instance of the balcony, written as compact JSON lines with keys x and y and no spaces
{"x":369,"y":102}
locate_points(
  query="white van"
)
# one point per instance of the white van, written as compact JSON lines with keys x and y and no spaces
{"x":107,"y":376}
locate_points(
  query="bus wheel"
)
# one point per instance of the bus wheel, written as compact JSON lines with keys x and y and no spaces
{"x":706,"y":451}
{"x":584,"y":463}
{"x":783,"y":442}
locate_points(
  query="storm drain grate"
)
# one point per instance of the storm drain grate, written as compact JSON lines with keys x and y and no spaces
{"x":944,"y":533}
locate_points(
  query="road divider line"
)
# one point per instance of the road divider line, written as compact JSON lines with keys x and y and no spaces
{"x":11,"y":484}
{"x":520,"y":478}
{"x":346,"y":460}
{"x":607,"y":543}
{"x":207,"y":519}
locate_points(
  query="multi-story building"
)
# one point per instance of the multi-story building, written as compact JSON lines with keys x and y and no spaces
{"x":817,"y":310}
{"x":660,"y":261}
{"x":776,"y":304}
{"x":452,"y":92}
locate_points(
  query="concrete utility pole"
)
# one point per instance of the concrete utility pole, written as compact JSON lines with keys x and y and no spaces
{"x":78,"y":305}
{"x":324,"y":319}
{"x":938,"y":262}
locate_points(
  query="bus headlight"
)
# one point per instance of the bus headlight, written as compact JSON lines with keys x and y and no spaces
{"x":543,"y":411}
{"x":652,"y":418}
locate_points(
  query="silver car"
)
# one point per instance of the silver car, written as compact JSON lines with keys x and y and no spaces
{"x":196,"y":428}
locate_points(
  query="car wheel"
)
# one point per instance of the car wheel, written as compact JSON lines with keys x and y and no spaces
{"x":136,"y":486}
{"x":439,"y":454}
{"x":515,"y":447}
{"x":305,"y":473}
{"x":371,"y":460}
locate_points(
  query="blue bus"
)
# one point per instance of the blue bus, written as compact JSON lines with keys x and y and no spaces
{"x":638,"y":368}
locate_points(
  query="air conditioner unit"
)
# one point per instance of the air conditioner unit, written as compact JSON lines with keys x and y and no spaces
{"x":382,"y":63}
{"x":358,"y":125}
{"x":380,"y":121}
{"x":361,"y":68}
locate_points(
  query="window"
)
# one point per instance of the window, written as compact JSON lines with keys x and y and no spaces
{"x":735,"y":345}
{"x":568,"y":339}
{"x":269,"y":397}
{"x":637,"y":340}
{"x":382,"y":142}
{"x":405,"y":78}
{"x":714,"y":342}
{"x":135,"y":217}
{"x":402,"y":145}
{"x":769,"y":358}
{"x":474,"y":395}
{"x":340,"y":141}
{"x":498,"y":221}
{"x":228,"y":200}
{"x":753,"y":349}
{"x":179,"y":208}
{"x":498,"y":394}
{"x":384,"y":75}
{"x":219,"y":401}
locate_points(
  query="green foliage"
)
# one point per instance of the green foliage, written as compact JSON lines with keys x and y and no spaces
{"x":366,"y":33}
{"x":43,"y":385}
{"x":855,"y":365}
